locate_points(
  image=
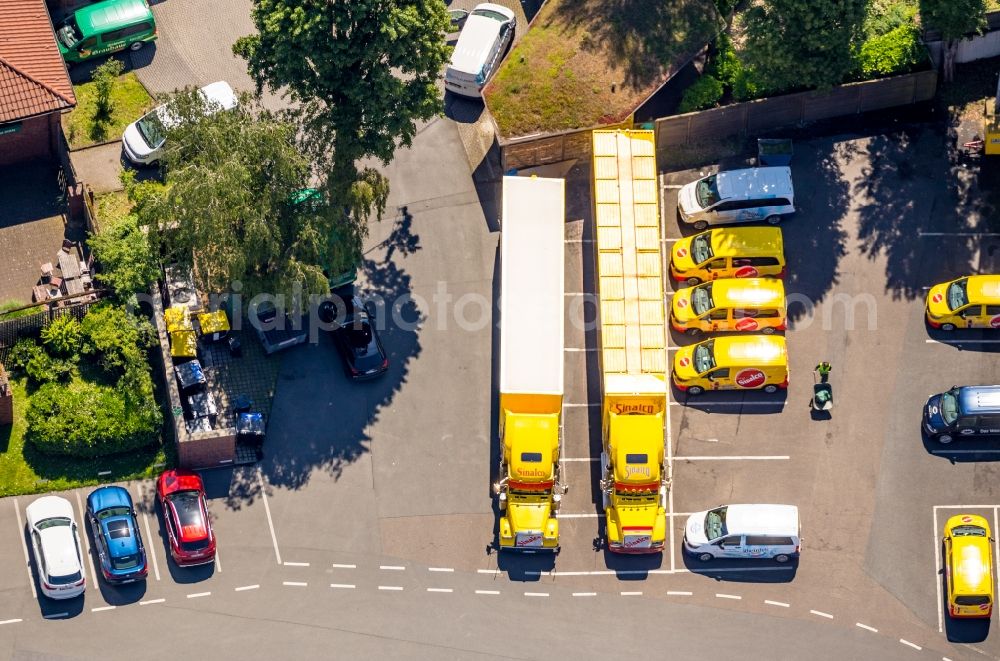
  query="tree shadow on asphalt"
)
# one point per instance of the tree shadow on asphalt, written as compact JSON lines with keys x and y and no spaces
{"x":332,"y":413}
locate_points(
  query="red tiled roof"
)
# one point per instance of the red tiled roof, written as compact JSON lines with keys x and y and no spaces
{"x":33,"y":78}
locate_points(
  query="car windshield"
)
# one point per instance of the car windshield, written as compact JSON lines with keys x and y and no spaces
{"x":715,"y":524}
{"x":701,"y":299}
{"x":53,"y":522}
{"x":707,"y":192}
{"x":701,"y":248}
{"x":195,"y":546}
{"x":69,"y":34}
{"x":489,"y":13}
{"x":151,"y":129}
{"x":125,"y":562}
{"x":64,"y":580}
{"x":704,"y":357}
{"x":109,"y":512}
{"x":972,"y":600}
{"x":957,"y":296}
{"x":968,"y":531}
{"x":949,"y":406}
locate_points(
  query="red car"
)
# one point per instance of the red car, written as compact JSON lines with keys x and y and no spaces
{"x":182,"y":496}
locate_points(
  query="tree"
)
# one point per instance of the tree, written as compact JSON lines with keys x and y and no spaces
{"x":803,"y":43}
{"x":361,"y":72}
{"x":955,"y":19}
{"x":230,"y":204}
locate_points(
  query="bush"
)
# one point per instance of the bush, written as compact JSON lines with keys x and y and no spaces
{"x":127,"y":262}
{"x":88,"y":420}
{"x":22,"y":352}
{"x":898,"y":51}
{"x":747,"y":86}
{"x":704,"y":93}
{"x":63,"y":336}
{"x":114,"y":337}
{"x":105,"y":76}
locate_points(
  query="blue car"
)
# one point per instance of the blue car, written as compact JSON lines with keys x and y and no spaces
{"x":116,"y":535}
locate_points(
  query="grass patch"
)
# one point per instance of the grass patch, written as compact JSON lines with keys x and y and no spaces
{"x":83,"y":128}
{"x":112,"y":209}
{"x":587,"y":63}
{"x":13,"y":304}
{"x":24,"y":470}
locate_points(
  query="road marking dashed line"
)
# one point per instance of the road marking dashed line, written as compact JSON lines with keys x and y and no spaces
{"x":630,"y":594}
{"x":584,"y":594}
{"x":392,"y":567}
{"x":444,"y":569}
{"x":721,"y":595}
{"x":295,"y":584}
{"x":679,"y":593}
{"x":195,"y":595}
{"x":821,"y":614}
{"x":777,"y":603}
{"x":908,"y":643}
{"x":487,"y":591}
{"x":54,"y":616}
{"x":295,"y":564}
{"x":342,"y":586}
{"x":440,"y":590}
{"x":866,"y":627}
{"x":98,"y":609}
{"x":339,"y":566}
{"x":14,"y":621}
{"x":536,"y":594}
{"x":150,"y":602}
{"x":391,"y":587}
{"x":247,"y":587}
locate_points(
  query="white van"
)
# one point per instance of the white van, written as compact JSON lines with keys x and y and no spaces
{"x":744,"y":531}
{"x":144,"y":138}
{"x":738,"y":196}
{"x":481,"y":45}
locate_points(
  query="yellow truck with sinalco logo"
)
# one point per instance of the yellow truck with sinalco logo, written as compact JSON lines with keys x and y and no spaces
{"x":531,"y":362}
{"x":634,"y":476}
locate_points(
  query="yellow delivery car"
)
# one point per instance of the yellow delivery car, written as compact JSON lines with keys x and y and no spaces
{"x":732,"y":362}
{"x":728,"y":252}
{"x":731,"y":304}
{"x":969,"y":302}
{"x":968,"y":567}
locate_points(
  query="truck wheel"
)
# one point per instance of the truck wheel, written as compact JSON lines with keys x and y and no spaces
{"x":694,"y":391}
{"x":781,"y":557}
{"x":944,"y":439}
{"x":693,"y":332}
{"x":700,"y":225}
{"x":770,"y":389}
{"x":767,"y":331}
{"x":137,"y":46}
{"x":948,"y":327}
{"x":705,"y":557}
{"x":694,"y":281}
{"x":773,"y":219}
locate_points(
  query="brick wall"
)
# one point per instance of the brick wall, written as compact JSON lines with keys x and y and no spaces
{"x":37,"y":139}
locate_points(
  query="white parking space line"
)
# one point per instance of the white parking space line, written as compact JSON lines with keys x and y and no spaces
{"x":909,"y":644}
{"x":295,"y":584}
{"x":679,"y":593}
{"x":822,"y":614}
{"x":721,"y":595}
{"x":777,"y":603}
{"x":578,"y":349}
{"x":24,"y":547}
{"x":962,"y":341}
{"x":196,"y":595}
{"x":440,"y":590}
{"x":340,"y":566}
{"x":996,"y":544}
{"x":14,"y":621}
{"x":965,"y":507}
{"x":695,"y":403}
{"x":86,"y":541}
{"x":390,"y":587}
{"x":149,"y":535}
{"x":866,"y":627}
{"x":243,"y":588}
{"x":149,"y":602}
{"x":295,"y":564}
{"x":392,"y":567}
{"x":342,"y":586}
{"x":937,"y":574}
{"x":584,"y":594}
{"x":267,"y":511}
{"x":487,"y":591}
{"x":536,"y":594}
{"x":441,"y":569}
{"x":55,"y":616}
{"x":102,"y":608}
{"x":584,"y":515}
{"x":747,"y":457}
{"x":218,"y":561}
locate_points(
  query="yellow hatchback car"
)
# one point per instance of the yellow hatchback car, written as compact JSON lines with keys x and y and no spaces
{"x":969,"y":302}
{"x":968,"y":558}
{"x":728,"y":252}
{"x":730,"y":304}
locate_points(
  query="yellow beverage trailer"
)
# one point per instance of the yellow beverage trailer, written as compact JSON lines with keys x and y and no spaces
{"x":634,"y":481}
{"x":532,"y":244}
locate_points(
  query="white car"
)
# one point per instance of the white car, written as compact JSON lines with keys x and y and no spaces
{"x":744,"y":532}
{"x":143,"y":139}
{"x":55,"y":540}
{"x":481,"y":45}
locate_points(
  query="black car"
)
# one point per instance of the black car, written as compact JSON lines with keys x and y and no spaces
{"x":356,"y":337}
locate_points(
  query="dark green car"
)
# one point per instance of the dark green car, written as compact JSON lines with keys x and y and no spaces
{"x":105,"y":27}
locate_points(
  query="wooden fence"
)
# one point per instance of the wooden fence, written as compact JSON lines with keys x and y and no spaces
{"x":750,"y":118}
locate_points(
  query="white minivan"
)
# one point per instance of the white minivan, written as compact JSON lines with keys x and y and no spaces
{"x":144,"y":138}
{"x":744,"y":531}
{"x":738,"y":196}
{"x":485,"y":36}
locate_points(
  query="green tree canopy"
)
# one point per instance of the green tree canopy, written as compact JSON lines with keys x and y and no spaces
{"x":361,"y":72}
{"x":231,"y":204}
{"x":955,"y":19}
{"x":803,"y":43}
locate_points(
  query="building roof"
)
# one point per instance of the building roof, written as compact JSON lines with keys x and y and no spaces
{"x":589,"y":63}
{"x":33,"y":77}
